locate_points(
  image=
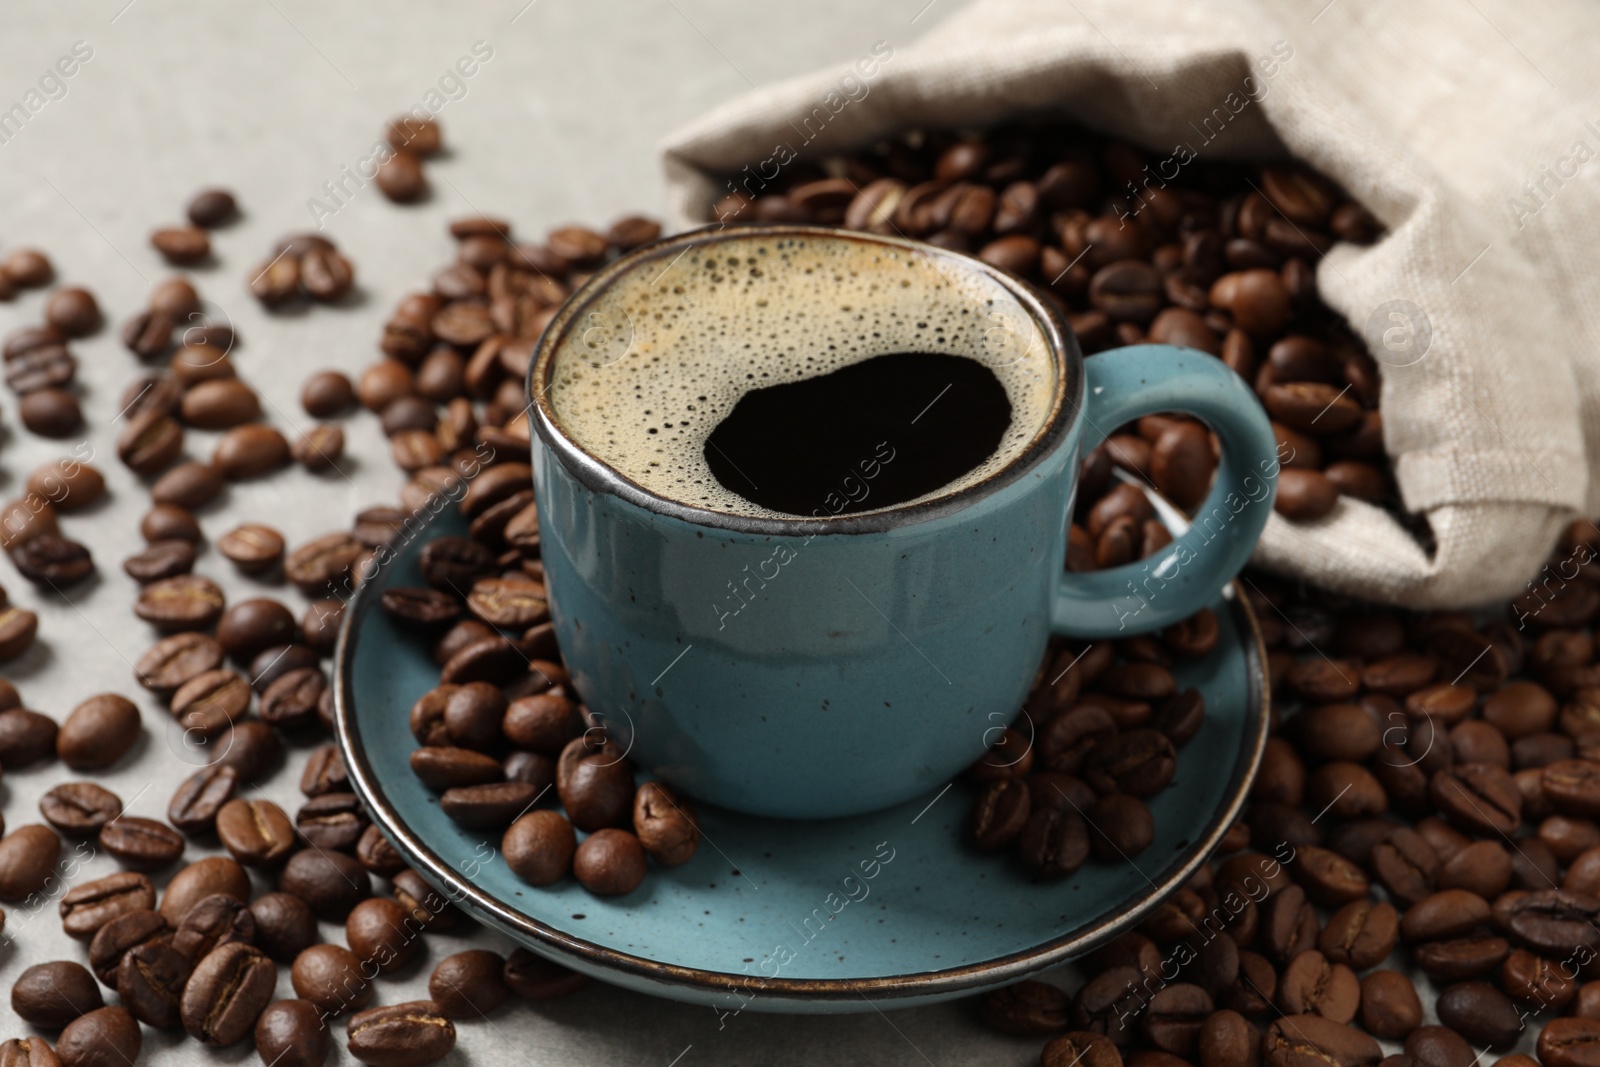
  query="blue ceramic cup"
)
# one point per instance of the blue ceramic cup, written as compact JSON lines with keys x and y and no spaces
{"x":846,"y":660}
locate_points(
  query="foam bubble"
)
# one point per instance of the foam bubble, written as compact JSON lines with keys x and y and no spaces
{"x":661,"y":356}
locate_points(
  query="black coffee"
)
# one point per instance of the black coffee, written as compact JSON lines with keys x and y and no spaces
{"x":870,"y":435}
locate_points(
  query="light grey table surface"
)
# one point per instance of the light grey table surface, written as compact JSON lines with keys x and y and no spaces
{"x":272,"y":98}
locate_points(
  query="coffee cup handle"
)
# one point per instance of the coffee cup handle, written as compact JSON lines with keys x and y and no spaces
{"x":1187,"y":574}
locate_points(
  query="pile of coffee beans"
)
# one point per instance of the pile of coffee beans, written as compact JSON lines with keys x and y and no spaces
{"x":40,"y":368}
{"x":303,"y":265}
{"x":1219,"y":257}
{"x":202,"y":955}
{"x":1098,"y":737}
{"x":501,"y":729}
{"x":1427,"y":806}
{"x":411,"y":140}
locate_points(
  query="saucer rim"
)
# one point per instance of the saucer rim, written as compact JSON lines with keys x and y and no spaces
{"x":535,"y":934}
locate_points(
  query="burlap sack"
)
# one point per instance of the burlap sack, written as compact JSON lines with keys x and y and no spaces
{"x":1470,"y":130}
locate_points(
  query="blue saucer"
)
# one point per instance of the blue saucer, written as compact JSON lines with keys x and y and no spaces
{"x":882,"y":910}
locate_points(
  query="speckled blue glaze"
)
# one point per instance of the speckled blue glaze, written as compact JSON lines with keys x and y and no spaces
{"x":868,"y":666}
{"x":882,"y":910}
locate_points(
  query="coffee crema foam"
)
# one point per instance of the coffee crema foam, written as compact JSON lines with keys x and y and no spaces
{"x":652,"y":364}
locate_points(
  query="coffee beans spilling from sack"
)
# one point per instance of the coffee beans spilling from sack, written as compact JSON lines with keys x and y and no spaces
{"x":1427,"y":805}
{"x":1219,"y":256}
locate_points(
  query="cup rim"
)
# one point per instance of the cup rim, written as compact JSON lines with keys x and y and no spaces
{"x":596,"y":474}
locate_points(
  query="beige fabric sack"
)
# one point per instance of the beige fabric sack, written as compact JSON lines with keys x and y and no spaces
{"x":1478,"y":149}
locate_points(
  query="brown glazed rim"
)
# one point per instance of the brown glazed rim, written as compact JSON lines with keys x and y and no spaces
{"x":528,"y":930}
{"x":598,"y":475}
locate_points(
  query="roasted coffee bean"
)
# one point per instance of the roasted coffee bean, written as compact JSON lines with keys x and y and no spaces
{"x":141,"y":843}
{"x":98,"y":733}
{"x":192,"y":884}
{"x":1480,"y":1013}
{"x":276,"y":661}
{"x":165,"y":522}
{"x":319,"y":626}
{"x":420,"y":607}
{"x":51,"y":367}
{"x":332,"y":821}
{"x":18,"y":628}
{"x":1174,"y":1017}
{"x":210,"y":208}
{"x":250,"y":626}
{"x":65,"y":485}
{"x":401,"y":1035}
{"x":424,"y":903}
{"x":596,"y":785}
{"x":382,"y":934}
{"x":1436,"y":1046}
{"x":50,"y":412}
{"x":609,"y":862}
{"x":255,"y":832}
{"x":539,"y":847}
{"x":53,"y":561}
{"x":73,"y":310}
{"x":1288,"y":924}
{"x":181,"y":245}
{"x":320,"y":448}
{"x":511,"y":603}
{"x":1554,"y":921}
{"x":326,"y":275}
{"x":442,"y":768}
{"x":324,"y":772}
{"x":322,"y":564}
{"x":666,"y":824}
{"x":1328,"y":878}
{"x":533,"y":977}
{"x":214,"y":921}
{"x":226,"y":993}
{"x":188,"y":485}
{"x":285,"y":925}
{"x":120,"y":934}
{"x":25,"y":737}
{"x":1537,"y":982}
{"x":1569,"y":1043}
{"x":1027,"y":1009}
{"x":1459,"y":959}
{"x":326,"y":394}
{"x":250,"y":451}
{"x":108,"y":1037}
{"x":1121,"y":827}
{"x":150,"y":980}
{"x":87,"y":907}
{"x":208,"y":704}
{"x":1361,"y":934}
{"x":79,"y":808}
{"x":332,"y":978}
{"x":185,"y":602}
{"x":251,"y":748}
{"x":998,"y":817}
{"x":160,"y":560}
{"x":400,"y":178}
{"x":253,"y":548}
{"x":290,"y":702}
{"x":195,"y":804}
{"x":1139,"y":763}
{"x":468,"y":984}
{"x":491,"y":806}
{"x":51,"y":995}
{"x":454,"y":563}
{"x":377,"y":855}
{"x":331,"y":882}
{"x":1313,"y":986}
{"x":1054,"y":842}
{"x":291,"y":1033}
{"x":28,"y":857}
{"x":150,"y":440}
{"x":1302,"y":1039}
{"x":1406,"y":864}
{"x":176,"y":659}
